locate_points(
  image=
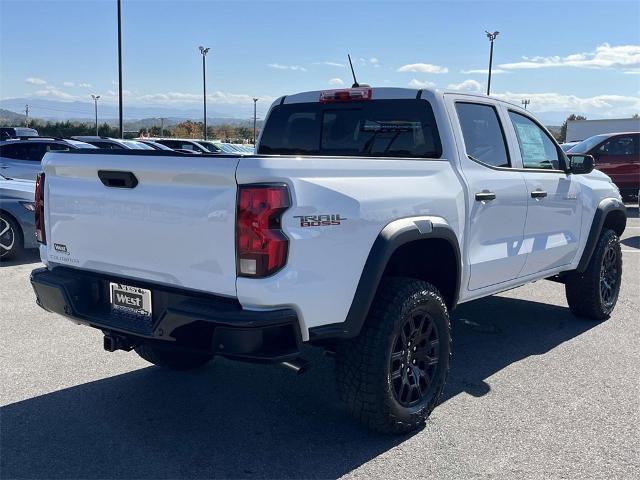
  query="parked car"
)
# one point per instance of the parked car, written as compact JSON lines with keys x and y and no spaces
{"x":108,"y":143}
{"x":20,"y":158}
{"x":617,"y":155}
{"x":366,"y":216}
{"x":17,"y":132}
{"x":568,"y":146}
{"x":17,"y":220}
{"x":183,"y":144}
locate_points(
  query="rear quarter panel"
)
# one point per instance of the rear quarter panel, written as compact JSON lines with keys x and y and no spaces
{"x":325,"y":262}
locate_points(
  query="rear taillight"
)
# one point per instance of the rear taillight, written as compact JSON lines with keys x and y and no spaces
{"x":347,"y":95}
{"x":261,"y":246}
{"x":39,"y":209}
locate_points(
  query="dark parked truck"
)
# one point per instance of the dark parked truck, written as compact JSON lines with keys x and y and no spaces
{"x":364,"y":218}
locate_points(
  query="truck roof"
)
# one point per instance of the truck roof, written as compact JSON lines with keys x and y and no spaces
{"x":387,"y":93}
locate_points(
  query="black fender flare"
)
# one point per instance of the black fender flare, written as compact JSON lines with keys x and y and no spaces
{"x":605,"y":207}
{"x":392,"y":237}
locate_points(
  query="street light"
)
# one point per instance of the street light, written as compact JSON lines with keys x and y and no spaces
{"x":491,"y":37}
{"x":525,"y":102}
{"x":120,"y":70}
{"x":204,"y":52}
{"x":95,"y":102}
{"x":255,"y":100}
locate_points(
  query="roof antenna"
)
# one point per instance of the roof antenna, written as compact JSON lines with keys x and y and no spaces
{"x":355,"y":82}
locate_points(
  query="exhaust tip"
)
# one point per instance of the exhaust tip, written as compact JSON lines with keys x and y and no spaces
{"x":297,"y":365}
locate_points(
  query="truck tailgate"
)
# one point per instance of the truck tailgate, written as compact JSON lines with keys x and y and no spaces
{"x":176,"y":226}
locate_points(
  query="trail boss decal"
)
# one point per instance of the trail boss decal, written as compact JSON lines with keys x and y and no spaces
{"x":320,"y":220}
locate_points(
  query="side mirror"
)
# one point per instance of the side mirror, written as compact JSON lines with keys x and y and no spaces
{"x":580,"y":164}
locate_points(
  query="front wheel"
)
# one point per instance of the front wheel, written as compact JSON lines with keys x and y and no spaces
{"x":10,"y":238}
{"x":174,"y":360}
{"x":391,"y":376}
{"x":594,"y":293}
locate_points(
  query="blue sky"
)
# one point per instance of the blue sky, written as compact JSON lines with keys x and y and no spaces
{"x":565,"y":56}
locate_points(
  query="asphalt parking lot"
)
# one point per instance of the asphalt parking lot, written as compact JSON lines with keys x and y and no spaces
{"x":533,"y":393}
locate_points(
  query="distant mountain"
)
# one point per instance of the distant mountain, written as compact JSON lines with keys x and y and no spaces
{"x":8,"y":117}
{"x":58,"y":110}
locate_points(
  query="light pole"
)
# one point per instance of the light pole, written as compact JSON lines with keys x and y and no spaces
{"x":491,"y":37}
{"x":204,"y":52}
{"x":95,"y":102}
{"x":120,"y":70}
{"x":525,"y":102}
{"x":255,"y":101}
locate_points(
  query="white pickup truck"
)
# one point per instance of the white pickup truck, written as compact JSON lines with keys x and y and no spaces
{"x":364,"y":218}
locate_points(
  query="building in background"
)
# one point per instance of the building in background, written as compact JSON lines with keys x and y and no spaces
{"x":578,"y":130}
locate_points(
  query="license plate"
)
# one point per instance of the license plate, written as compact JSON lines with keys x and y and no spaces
{"x":127,"y":299}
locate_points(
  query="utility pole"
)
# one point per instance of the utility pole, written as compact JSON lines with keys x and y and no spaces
{"x":162,"y":119}
{"x":491,"y":37}
{"x":525,"y":102}
{"x":26,"y":115}
{"x":204,"y":52}
{"x":95,"y":102}
{"x":255,"y":101}
{"x":120,"y":70}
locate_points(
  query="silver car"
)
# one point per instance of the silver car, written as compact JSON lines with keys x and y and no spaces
{"x":20,"y":158}
{"x":17,"y":217}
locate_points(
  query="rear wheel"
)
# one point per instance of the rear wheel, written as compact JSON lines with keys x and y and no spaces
{"x":10,"y":237}
{"x":594,"y":293}
{"x":391,"y":376}
{"x":172,"y":359}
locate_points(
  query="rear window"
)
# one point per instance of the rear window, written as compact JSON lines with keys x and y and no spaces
{"x":377,"y":128}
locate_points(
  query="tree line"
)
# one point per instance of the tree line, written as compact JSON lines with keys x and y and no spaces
{"x":187,"y":129}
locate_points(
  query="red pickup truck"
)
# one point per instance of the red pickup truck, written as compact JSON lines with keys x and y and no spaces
{"x":617,"y":155}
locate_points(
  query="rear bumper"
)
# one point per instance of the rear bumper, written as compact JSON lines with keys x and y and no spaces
{"x":181,"y":320}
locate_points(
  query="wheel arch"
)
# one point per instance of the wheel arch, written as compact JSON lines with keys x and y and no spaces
{"x":416,"y":247}
{"x":610,"y":214}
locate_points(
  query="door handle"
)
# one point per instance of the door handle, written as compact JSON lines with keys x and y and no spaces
{"x":485,"y":196}
{"x":538,"y":194}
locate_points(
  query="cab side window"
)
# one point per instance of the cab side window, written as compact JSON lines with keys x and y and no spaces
{"x":537,"y":149}
{"x":10,"y":151}
{"x":483,"y":136}
{"x":52,"y":147}
{"x":625,"y":146}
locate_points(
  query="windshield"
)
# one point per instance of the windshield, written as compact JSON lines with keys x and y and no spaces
{"x":225,"y":147}
{"x":158,"y":146}
{"x":586,"y":145}
{"x":79,"y":144}
{"x":383,"y":128}
{"x":136,"y":145}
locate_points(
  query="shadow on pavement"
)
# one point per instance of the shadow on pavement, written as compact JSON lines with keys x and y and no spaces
{"x":633,"y":242}
{"x":233,"y":420}
{"x":31,"y":255}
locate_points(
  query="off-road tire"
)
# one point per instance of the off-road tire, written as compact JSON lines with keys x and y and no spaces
{"x":364,"y":365}
{"x":174,"y":360}
{"x":583,"y":290}
{"x":17,"y":238}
